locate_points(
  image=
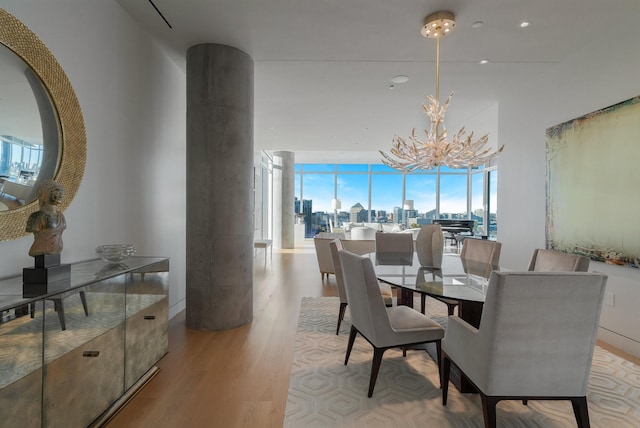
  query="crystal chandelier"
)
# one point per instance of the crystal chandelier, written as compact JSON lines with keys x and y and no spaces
{"x":435,"y":150}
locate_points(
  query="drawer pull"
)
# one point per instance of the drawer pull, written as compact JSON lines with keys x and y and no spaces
{"x":149,"y":317}
{"x":91,"y":354}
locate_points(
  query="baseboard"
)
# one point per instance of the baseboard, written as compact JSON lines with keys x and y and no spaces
{"x":177,"y":308}
{"x":621,"y":342}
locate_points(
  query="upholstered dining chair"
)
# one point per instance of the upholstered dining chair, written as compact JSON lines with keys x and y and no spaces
{"x":476,"y":250}
{"x":385,"y":289}
{"x":555,"y":261}
{"x":383,"y":327}
{"x":394,"y":248}
{"x":336,"y":246}
{"x":481,"y":250}
{"x":323,"y":253}
{"x":530,"y":344}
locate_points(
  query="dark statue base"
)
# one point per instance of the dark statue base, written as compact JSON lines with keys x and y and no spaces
{"x":47,"y":260}
{"x":47,"y":270}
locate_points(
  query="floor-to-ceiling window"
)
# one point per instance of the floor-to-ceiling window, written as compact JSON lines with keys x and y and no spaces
{"x":479,"y":200}
{"x":386,"y":195}
{"x":422,"y":189}
{"x":317,"y":189}
{"x":19,"y":157}
{"x":492,"y":198}
{"x":453,"y":193}
{"x":377,"y":193}
{"x":262,"y":193}
{"x":352,"y":189}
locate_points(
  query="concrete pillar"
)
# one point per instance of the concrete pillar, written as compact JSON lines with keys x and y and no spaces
{"x":283,"y":203}
{"x":219,"y":187}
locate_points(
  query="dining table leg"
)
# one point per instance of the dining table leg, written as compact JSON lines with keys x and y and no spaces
{"x":471,"y":312}
{"x":405,"y":297}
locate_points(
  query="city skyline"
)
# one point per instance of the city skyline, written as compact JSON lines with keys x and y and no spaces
{"x":387,"y":191}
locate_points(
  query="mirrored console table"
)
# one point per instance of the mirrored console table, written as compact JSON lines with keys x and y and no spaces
{"x":71,"y":356}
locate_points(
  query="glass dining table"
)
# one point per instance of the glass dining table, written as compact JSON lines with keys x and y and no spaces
{"x":464,"y":281}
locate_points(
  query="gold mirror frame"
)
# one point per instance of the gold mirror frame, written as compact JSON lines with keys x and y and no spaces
{"x":71,"y":132}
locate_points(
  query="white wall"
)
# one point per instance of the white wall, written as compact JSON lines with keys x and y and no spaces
{"x":133,"y":100}
{"x":603,"y":74}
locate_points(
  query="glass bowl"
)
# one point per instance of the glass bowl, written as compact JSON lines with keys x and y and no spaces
{"x":115,"y":253}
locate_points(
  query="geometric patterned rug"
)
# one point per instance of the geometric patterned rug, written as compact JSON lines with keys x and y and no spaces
{"x":323,"y":392}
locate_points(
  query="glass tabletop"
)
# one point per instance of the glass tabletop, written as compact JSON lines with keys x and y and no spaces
{"x":457,"y":279}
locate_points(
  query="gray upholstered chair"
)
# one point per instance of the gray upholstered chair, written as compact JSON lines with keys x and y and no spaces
{"x":336,"y":247}
{"x":555,"y":261}
{"x":323,"y":253}
{"x":385,"y":289}
{"x":383,"y":328}
{"x":481,"y":250}
{"x":359,"y":246}
{"x":475,"y":250}
{"x":531,"y":344}
{"x":394,"y":248}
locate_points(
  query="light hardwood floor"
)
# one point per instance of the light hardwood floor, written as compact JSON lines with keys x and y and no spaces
{"x":235,"y":378}
{"x":240,"y":377}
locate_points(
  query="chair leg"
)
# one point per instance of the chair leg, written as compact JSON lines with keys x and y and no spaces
{"x":489,"y":410}
{"x":352,"y":338}
{"x":439,"y":362}
{"x":423,"y":302}
{"x":445,"y":370}
{"x":581,"y":411}
{"x":83,"y":298}
{"x":375,"y":368}
{"x":343,"y":306}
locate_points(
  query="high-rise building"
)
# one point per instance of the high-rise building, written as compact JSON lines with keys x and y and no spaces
{"x":397,"y":215}
{"x":306,"y":209}
{"x":354,"y":212}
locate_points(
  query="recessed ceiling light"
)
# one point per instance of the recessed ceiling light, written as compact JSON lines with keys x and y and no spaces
{"x":401,"y":78}
{"x":477,"y":24}
{"x":524,"y":24}
{"x":485,"y":61}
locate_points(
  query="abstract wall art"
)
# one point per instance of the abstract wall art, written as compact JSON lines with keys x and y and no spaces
{"x":593,"y":185}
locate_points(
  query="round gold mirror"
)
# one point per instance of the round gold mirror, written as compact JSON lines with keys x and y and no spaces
{"x":66,"y":160}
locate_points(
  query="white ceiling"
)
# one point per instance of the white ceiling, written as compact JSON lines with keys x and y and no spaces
{"x":323,"y":67}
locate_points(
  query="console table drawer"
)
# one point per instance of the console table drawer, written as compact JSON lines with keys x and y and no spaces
{"x":82,"y":383}
{"x":146,"y":340}
{"x":22,"y":401}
